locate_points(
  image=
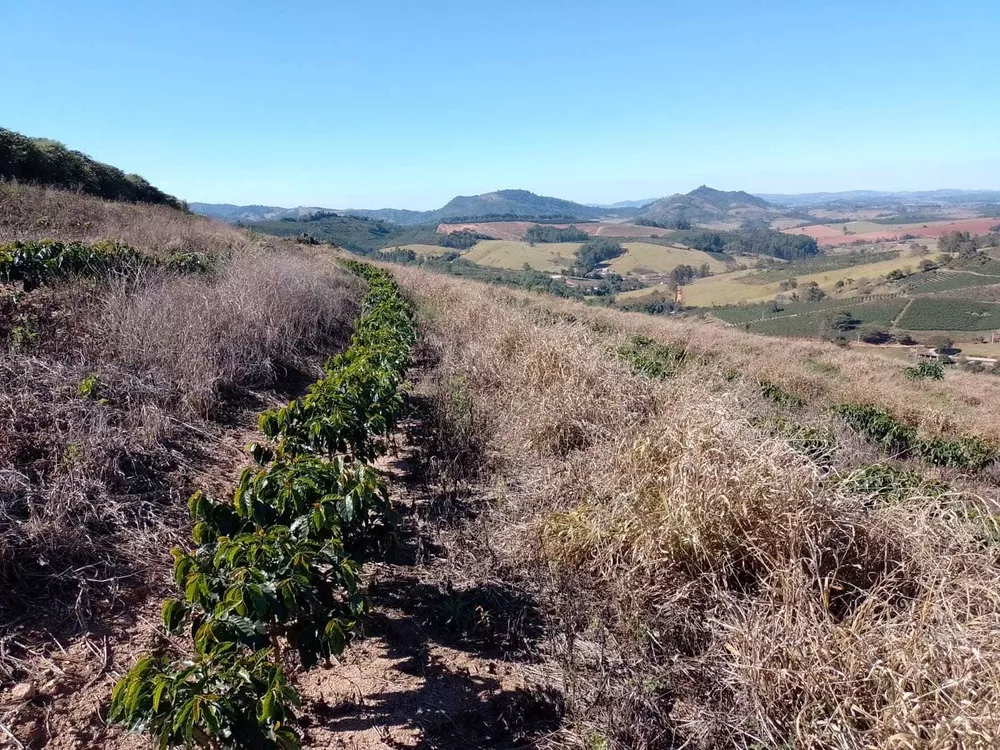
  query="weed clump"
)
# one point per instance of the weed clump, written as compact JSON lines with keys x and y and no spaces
{"x":651,"y":358}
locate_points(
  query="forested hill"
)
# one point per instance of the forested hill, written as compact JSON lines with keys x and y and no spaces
{"x":45,"y":162}
{"x":502,"y":204}
{"x":704,"y":205}
{"x":513,"y":203}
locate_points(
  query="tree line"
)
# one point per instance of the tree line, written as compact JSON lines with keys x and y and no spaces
{"x":45,"y":162}
{"x":543,"y":233}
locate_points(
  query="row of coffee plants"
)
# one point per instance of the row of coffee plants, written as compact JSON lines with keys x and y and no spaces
{"x":901,"y":440}
{"x":35,"y":263}
{"x":276,"y":570}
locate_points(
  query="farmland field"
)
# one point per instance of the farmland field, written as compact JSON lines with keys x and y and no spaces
{"x":944,"y":281}
{"x":827,"y":234}
{"x":950,"y":314}
{"x":881,"y":312}
{"x":422,"y":250}
{"x":643,"y":257}
{"x":876,"y":311}
{"x":741,"y":286}
{"x":544,"y":256}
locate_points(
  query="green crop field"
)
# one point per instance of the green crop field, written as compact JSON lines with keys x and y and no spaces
{"x":950,"y":314}
{"x":876,"y":310}
{"x":944,"y":281}
{"x":811,"y":323}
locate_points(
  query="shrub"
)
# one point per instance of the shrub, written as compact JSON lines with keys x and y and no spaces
{"x":924,"y":371}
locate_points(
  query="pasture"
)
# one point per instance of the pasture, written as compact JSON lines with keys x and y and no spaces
{"x":543,"y":256}
{"x":748,"y":286}
{"x":645,"y":257}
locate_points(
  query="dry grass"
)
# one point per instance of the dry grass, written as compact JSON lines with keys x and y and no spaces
{"x":707,"y":585}
{"x":262,"y":314}
{"x":114,"y":394}
{"x":29,"y":212}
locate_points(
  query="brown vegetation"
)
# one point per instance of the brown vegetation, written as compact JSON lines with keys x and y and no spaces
{"x":117,"y":394}
{"x":30,"y":212}
{"x":707,"y":584}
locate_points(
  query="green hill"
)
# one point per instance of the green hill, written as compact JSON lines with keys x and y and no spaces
{"x":45,"y":162}
{"x":705,"y":205}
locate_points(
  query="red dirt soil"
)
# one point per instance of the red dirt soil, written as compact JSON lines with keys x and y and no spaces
{"x":825,"y":234}
{"x":514,"y":230}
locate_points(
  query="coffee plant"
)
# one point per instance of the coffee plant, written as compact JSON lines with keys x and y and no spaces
{"x":898,"y":439}
{"x":39,"y":262}
{"x":276,"y":569}
{"x":924,"y":371}
{"x":35,"y":263}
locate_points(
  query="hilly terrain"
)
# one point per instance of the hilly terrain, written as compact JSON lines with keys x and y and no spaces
{"x":705,"y":205}
{"x":509,"y":204}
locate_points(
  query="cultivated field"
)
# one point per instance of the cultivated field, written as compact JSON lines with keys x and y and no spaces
{"x":950,"y":314}
{"x":744,"y":286}
{"x":867,"y":231}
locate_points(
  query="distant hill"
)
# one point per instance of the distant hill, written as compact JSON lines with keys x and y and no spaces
{"x":512,"y":204}
{"x":882,"y":198}
{"x":45,"y":162}
{"x":502,"y":204}
{"x":247,"y":214}
{"x":704,"y":205}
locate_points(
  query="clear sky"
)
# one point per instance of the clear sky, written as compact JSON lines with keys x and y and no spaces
{"x":406,"y":104}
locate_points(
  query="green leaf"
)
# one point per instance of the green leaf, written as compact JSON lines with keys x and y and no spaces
{"x":173,"y":614}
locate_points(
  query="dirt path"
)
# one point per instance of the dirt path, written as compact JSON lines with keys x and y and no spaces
{"x":895,"y":321}
{"x":447,"y":659}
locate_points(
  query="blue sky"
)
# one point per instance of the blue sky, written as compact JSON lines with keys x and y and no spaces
{"x":369,"y":104}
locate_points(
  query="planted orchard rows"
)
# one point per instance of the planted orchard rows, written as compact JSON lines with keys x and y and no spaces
{"x":276,"y":569}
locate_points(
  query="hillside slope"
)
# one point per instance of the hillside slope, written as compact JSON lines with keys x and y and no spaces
{"x":705,"y":205}
{"x":41,"y":161}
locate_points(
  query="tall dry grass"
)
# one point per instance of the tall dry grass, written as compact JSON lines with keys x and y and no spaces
{"x":30,"y":212}
{"x":262,"y":314}
{"x":710,"y":586}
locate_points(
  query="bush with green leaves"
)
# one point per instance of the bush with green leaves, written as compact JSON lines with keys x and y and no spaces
{"x":898,"y":439}
{"x":356,"y":405}
{"x":924,"y":371}
{"x":35,"y":263}
{"x":277,"y":568}
{"x":204,"y":702}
